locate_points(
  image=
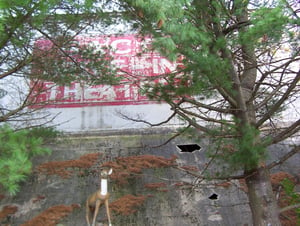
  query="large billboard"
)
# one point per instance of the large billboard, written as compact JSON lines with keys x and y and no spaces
{"x":127,"y":57}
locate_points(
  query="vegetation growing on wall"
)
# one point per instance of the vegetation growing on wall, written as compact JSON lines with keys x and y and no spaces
{"x":68,"y":168}
{"x":127,"y":204}
{"x":7,"y":211}
{"x":160,"y":186}
{"x":126,"y":168}
{"x":131,"y":168}
{"x":284,"y":186}
{"x":52,"y":216}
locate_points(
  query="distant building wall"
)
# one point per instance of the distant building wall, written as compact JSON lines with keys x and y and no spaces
{"x":80,"y":108}
{"x":99,"y":107}
{"x":93,"y":118}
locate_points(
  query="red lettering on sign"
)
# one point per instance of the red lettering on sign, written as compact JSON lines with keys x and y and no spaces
{"x":126,"y":57}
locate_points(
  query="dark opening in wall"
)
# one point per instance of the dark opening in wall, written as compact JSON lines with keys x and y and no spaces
{"x":188,"y":147}
{"x":214,"y":196}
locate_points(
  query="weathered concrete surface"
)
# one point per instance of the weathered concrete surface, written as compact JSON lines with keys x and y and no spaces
{"x":204,"y":205}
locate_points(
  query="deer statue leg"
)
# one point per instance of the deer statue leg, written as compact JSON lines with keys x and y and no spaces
{"x":97,"y":205}
{"x":88,"y":213}
{"x":107,"y":211}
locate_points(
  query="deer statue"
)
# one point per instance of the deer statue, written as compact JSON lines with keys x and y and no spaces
{"x":95,"y":200}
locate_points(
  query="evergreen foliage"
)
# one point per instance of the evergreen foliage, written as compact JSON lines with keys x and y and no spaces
{"x":41,"y":40}
{"x":16,"y":151}
{"x":62,"y":59}
{"x":241,"y":70}
{"x":229,"y":70}
{"x":293,"y":197}
{"x":236,"y":77}
{"x":67,"y":61}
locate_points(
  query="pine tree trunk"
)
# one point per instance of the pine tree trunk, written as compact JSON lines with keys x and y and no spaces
{"x":262,"y":200}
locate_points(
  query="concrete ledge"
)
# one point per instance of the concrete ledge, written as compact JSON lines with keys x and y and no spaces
{"x":126,"y":132}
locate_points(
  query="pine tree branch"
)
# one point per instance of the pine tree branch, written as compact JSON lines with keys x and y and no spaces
{"x":72,"y":59}
{"x":279,"y":103}
{"x":126,"y":117}
{"x":13,"y":112}
{"x":268,"y":98}
{"x":280,"y":66}
{"x":294,"y":151}
{"x":227,"y":96}
{"x":294,"y":12}
{"x":264,"y":76}
{"x":193,"y":122}
{"x":16,"y":22}
{"x":18,"y":67}
{"x":26,"y":109}
{"x":287,"y":208}
{"x":236,"y":26}
{"x":208,"y":107}
{"x":198,"y":116}
{"x":287,"y":132}
{"x":173,"y":137}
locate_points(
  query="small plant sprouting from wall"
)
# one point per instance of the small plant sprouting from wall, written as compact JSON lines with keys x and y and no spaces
{"x":284,"y":186}
{"x":7,"y":211}
{"x":161,"y":187}
{"x":127,"y":204}
{"x":52,"y":216}
{"x":66,"y":169}
{"x":190,"y":168}
{"x":292,"y":198}
{"x":126,"y":168}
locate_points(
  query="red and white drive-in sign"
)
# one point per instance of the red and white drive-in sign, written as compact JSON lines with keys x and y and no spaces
{"x":127,"y":57}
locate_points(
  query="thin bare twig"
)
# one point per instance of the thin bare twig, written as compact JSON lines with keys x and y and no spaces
{"x":173,"y":137}
{"x":287,"y":208}
{"x":294,"y":151}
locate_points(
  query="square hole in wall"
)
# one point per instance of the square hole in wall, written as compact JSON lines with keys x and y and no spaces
{"x":188,"y":147}
{"x":213,"y":196}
